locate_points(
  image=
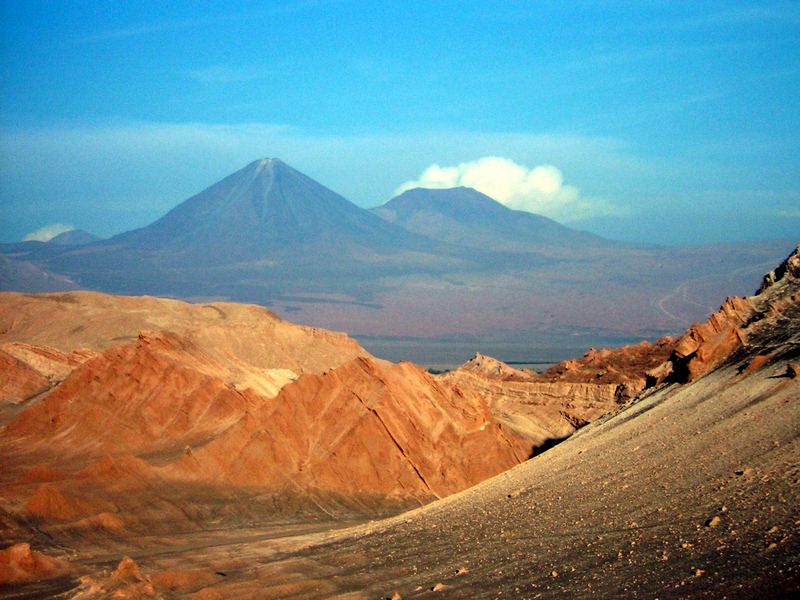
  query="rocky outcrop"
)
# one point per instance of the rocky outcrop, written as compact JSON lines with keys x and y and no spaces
{"x":366,"y":427}
{"x":539,"y":411}
{"x":705,"y":345}
{"x":48,"y":362}
{"x":156,"y":395}
{"x":783,"y":273}
{"x":552,"y":405}
{"x":20,"y":564}
{"x":737,"y":323}
{"x":492,"y":368}
{"x":28,"y":370}
{"x":627,"y":367}
{"x":125,"y":583}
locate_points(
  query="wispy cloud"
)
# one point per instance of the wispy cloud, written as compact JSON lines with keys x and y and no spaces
{"x":138,"y":30}
{"x":275,"y":10}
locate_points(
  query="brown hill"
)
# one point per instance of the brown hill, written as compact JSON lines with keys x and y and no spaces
{"x":157,"y":432}
{"x":153,"y":396}
{"x":244,"y":333}
{"x":366,"y":427}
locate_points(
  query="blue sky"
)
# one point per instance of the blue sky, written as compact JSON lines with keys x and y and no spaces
{"x":670,"y":122}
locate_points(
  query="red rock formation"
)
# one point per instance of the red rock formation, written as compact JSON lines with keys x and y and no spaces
{"x":125,"y":583}
{"x":365,"y":427}
{"x":18,"y":564}
{"x":552,"y":405}
{"x":539,"y":411}
{"x":705,"y":346}
{"x":155,"y":395}
{"x":378,"y":433}
{"x":19,"y":381}
{"x":626,"y":366}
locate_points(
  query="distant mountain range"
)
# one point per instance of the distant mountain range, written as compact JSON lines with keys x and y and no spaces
{"x":450,"y":266}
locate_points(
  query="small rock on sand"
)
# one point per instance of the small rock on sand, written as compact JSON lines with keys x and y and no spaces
{"x":713,"y":522}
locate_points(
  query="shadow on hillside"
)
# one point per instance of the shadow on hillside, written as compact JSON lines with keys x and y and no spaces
{"x":547,"y":444}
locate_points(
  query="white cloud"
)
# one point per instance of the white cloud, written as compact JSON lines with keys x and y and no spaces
{"x":47,"y":233}
{"x":539,"y":190}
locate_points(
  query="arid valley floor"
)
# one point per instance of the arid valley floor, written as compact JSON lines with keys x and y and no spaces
{"x":157,"y":449}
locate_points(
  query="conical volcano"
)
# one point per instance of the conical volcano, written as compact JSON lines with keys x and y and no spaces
{"x":265,"y":210}
{"x":262,"y":232}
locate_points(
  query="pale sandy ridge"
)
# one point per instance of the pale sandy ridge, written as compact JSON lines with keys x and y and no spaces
{"x":244,"y":332}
